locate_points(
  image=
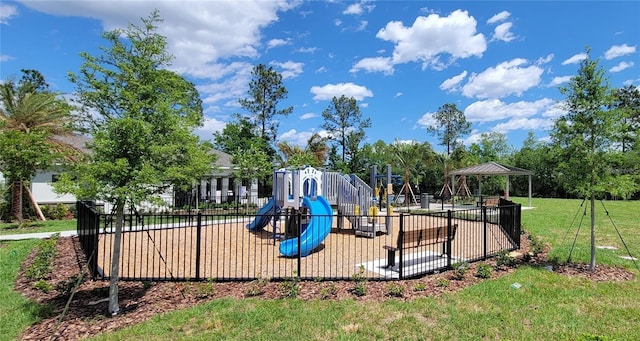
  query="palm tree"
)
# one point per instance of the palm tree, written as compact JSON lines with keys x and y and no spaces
{"x":409,"y":155}
{"x":35,"y":122}
{"x":315,"y":154}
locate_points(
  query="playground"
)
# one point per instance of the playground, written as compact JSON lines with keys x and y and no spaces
{"x":316,"y":225}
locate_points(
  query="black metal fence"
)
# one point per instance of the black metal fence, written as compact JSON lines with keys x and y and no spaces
{"x":229,"y":247}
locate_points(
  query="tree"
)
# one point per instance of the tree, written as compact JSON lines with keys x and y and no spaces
{"x":627,"y":102}
{"x":450,"y":125}
{"x":265,"y":91}
{"x":239,"y":134}
{"x":409,"y":156}
{"x":585,"y":134}
{"x":540,"y":158}
{"x":32,"y":122}
{"x":142,"y":126}
{"x":343,"y":120}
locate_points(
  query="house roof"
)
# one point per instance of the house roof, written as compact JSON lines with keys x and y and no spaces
{"x":491,"y":168}
{"x":78,"y":142}
{"x":81,"y":143}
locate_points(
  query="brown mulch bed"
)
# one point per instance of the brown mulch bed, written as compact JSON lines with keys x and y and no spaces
{"x":87,"y":314}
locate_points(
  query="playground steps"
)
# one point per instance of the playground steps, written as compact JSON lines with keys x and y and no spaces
{"x":369,"y":227}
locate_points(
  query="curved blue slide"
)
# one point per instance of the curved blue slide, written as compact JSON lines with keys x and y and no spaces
{"x":320,"y":221}
{"x":265,"y":213}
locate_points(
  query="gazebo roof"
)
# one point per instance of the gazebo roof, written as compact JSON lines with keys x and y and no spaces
{"x":491,"y":168}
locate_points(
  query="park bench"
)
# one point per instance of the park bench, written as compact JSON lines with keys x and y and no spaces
{"x":491,"y":202}
{"x":421,"y":237}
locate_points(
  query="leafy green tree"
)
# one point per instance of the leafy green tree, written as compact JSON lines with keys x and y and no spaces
{"x":265,"y":92}
{"x":239,"y":134}
{"x":585,"y":135}
{"x":450,"y":126}
{"x":33,"y":124}
{"x":252,"y":162}
{"x":144,"y":117}
{"x":627,"y":102}
{"x":343,"y":120}
{"x":540,"y":158}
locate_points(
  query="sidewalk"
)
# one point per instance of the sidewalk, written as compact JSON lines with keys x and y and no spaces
{"x":41,"y":235}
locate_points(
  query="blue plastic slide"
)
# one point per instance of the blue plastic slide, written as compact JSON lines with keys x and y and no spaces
{"x":264,"y":216}
{"x":320,"y":220}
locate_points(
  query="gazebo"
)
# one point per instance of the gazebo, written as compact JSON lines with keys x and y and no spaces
{"x":491,"y":169}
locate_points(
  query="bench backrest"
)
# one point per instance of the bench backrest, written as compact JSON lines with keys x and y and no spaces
{"x":426,"y":236}
{"x":492,"y":202}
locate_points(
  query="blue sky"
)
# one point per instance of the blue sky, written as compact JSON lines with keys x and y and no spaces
{"x":500,"y":62}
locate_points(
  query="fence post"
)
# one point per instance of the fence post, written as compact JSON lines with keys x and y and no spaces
{"x":198,"y":245}
{"x":401,"y":242}
{"x":449,"y":220}
{"x":484,"y":236}
{"x":299,"y":219}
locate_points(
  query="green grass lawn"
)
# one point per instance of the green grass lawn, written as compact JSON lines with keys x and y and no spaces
{"x":547,"y":306}
{"x":38,"y":226}
{"x":16,"y":312}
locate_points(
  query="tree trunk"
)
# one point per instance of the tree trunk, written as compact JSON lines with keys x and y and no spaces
{"x":16,"y":200}
{"x":592,"y":263}
{"x":114,"y":308}
{"x":36,"y":207}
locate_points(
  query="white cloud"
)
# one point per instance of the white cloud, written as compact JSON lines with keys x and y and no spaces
{"x":374,"y":64}
{"x":496,"y":110}
{"x":523,"y":123}
{"x":227,"y":83}
{"x":201,"y":36}
{"x":474,"y":137}
{"x":621,"y":66}
{"x":619,"y":51}
{"x":359,"y":8}
{"x":337,"y":22}
{"x":327,"y":92}
{"x":426,"y":120}
{"x":503,"y":32}
{"x":398,"y":94}
{"x":307,"y":49}
{"x":452,"y":83}
{"x":6,"y":13}
{"x":559,"y":80}
{"x":277,"y":42}
{"x":308,"y":115}
{"x":575,"y":59}
{"x":502,"y":16}
{"x":289,"y":69}
{"x":362,"y":26}
{"x":545,"y":60}
{"x":197,"y":35}
{"x":506,"y":78}
{"x":5,"y":57}
{"x":299,"y":138}
{"x":428,"y":38}
{"x":210,"y":126}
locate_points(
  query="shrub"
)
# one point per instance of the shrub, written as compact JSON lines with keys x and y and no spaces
{"x":459,"y":270}
{"x":537,"y":245}
{"x":420,"y":287}
{"x":329,"y":291}
{"x":503,"y":259}
{"x":257,"y":287}
{"x":360,"y":280}
{"x":483,"y":270}
{"x":395,"y":290}
{"x":43,"y":261}
{"x":442,"y":282}
{"x":290,"y":288}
